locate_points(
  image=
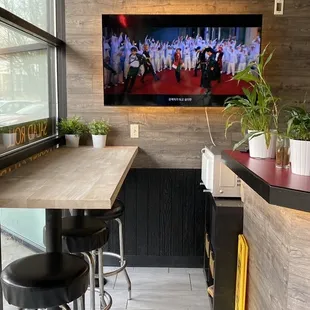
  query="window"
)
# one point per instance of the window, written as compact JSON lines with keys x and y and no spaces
{"x":30,"y":55}
{"x":27,"y":113}
{"x":37,"y":12}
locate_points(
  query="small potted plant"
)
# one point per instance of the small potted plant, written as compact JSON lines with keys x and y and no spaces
{"x":99,"y":130}
{"x":8,"y":136}
{"x":298,"y":130}
{"x":257,"y":112}
{"x":72,"y":128}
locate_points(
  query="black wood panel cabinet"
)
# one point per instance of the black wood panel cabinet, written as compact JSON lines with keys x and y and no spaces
{"x":224,"y":222}
{"x":164,"y":219}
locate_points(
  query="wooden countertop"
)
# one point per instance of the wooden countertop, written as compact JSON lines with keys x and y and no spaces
{"x":277,"y":186}
{"x":68,"y":178}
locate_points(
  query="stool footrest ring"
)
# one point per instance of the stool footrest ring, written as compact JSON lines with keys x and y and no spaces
{"x":108,"y":301}
{"x":117,"y":270}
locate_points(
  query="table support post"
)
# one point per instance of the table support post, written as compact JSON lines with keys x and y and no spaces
{"x":53,"y":230}
{"x":53,"y":233}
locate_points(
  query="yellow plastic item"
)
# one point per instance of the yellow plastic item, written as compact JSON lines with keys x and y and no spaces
{"x":210,"y":291}
{"x":211,"y":264}
{"x":242,"y":267}
{"x":207,"y":246}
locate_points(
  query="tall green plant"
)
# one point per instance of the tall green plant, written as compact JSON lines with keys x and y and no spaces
{"x":258,"y":109}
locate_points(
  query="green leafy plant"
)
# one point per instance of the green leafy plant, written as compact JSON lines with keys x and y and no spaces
{"x":258,"y":109}
{"x":72,"y":126}
{"x":298,"y":124}
{"x":100,"y":127}
{"x":7,"y":129}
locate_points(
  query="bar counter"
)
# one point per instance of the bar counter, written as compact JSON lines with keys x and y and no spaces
{"x":276,"y":186}
{"x":66,"y":178}
{"x":276,"y":226}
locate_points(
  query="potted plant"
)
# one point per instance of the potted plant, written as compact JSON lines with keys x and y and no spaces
{"x":298,"y":130}
{"x":8,"y":136}
{"x":99,"y":130}
{"x":257,"y":111}
{"x":72,"y":128}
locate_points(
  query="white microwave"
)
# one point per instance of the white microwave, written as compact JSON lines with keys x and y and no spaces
{"x":218,"y":179}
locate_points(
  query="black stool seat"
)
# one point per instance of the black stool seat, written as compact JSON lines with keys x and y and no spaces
{"x":45,"y":280}
{"x":115,"y":212}
{"x":82,"y":234}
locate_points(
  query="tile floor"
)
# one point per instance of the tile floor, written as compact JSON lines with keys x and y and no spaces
{"x":152,"y":288}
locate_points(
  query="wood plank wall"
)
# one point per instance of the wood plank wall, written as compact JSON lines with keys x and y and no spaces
{"x":173,"y":137}
{"x":279,"y":247}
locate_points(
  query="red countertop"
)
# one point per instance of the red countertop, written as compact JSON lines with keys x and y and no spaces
{"x":266,"y":170}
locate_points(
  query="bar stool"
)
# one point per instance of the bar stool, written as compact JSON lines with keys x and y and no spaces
{"x":114,"y":213}
{"x":81,"y":235}
{"x":45,"y":280}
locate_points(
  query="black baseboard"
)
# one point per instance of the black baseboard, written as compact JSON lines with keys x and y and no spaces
{"x":158,"y":261}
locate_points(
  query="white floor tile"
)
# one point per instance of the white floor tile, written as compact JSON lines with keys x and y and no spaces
{"x":150,"y":270}
{"x":198,"y":282}
{"x":186,"y":270}
{"x":154,"y":281}
{"x":168,"y":300}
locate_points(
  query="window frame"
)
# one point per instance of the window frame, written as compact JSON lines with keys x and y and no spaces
{"x":56,"y":78}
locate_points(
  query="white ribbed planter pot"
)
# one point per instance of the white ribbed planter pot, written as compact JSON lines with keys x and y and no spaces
{"x":9,"y":139}
{"x":99,"y":141}
{"x":258,"y":148}
{"x":72,"y":140}
{"x":300,"y":157}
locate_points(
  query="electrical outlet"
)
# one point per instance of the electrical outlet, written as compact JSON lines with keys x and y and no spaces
{"x":134,"y":131}
{"x":278,"y":7}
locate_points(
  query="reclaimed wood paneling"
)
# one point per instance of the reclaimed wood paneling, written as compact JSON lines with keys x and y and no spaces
{"x":173,"y":137}
{"x":279,"y":251}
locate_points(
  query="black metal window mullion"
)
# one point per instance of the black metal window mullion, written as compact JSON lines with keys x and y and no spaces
{"x":23,"y":48}
{"x":61,"y":59}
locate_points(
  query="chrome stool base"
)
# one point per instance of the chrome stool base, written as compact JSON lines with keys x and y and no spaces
{"x":120,"y":257}
{"x":123,"y":265}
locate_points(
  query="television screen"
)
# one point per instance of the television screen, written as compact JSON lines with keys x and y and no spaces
{"x":177,"y":60}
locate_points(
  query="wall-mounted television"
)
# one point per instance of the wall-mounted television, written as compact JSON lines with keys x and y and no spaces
{"x":176,"y":60}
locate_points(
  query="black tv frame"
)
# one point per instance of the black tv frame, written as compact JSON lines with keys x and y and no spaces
{"x":160,"y":100}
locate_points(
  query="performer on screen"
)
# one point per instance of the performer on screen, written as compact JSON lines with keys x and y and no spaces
{"x":242,"y":61}
{"x":134,"y":62}
{"x":148,"y":67}
{"x":177,"y":64}
{"x":211,"y":71}
{"x":157,"y":60}
{"x":197,"y":60}
{"x":219,"y":58}
{"x":187,"y":58}
{"x":108,"y":70}
{"x":169,"y":57}
{"x":203,"y":64}
{"x":232,"y":61}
